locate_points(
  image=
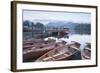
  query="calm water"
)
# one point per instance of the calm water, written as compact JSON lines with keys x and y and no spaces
{"x":82,"y":39}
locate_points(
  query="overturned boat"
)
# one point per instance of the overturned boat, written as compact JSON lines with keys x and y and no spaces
{"x":62,"y":52}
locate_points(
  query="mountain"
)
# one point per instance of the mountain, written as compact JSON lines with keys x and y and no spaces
{"x":62,"y":24}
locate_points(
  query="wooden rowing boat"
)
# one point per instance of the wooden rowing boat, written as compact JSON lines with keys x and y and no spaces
{"x":34,"y":42}
{"x":61,"y":52}
{"x":86,"y":54}
{"x":37,"y":50}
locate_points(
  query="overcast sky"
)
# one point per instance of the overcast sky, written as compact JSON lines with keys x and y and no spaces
{"x":45,"y":16}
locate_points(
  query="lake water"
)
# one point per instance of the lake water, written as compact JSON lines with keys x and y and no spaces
{"x":82,"y":39}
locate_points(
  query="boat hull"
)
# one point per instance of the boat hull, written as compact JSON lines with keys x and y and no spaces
{"x":34,"y":55}
{"x":68,"y":53}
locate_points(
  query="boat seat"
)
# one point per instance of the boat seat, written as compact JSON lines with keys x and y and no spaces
{"x":46,"y":58}
{"x":87,"y":57}
{"x":56,"y":55}
{"x":66,"y":54}
{"x":75,"y":48}
{"x":87,"y":48}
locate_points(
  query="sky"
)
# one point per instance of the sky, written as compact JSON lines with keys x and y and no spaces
{"x":47,"y":16}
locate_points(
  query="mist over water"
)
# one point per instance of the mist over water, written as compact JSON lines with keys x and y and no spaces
{"x":82,"y":39}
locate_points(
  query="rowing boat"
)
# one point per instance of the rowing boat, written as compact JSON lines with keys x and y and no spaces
{"x":61,"y":52}
{"x":87,"y":51}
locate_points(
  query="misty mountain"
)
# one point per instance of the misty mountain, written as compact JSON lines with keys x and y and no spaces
{"x":60,"y":24}
{"x":73,"y":27}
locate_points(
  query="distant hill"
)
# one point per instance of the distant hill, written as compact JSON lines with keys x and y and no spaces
{"x":77,"y":28}
{"x":60,"y":24}
{"x":73,"y":27}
